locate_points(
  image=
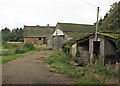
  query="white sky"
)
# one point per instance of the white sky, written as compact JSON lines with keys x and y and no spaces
{"x":17,"y":13}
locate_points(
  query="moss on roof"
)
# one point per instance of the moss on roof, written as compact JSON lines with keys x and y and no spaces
{"x":113,"y":35}
{"x":77,"y":27}
{"x":38,"y":31}
{"x":77,"y":31}
{"x":77,"y":36}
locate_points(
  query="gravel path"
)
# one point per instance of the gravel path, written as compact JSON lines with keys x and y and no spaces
{"x":31,"y":69}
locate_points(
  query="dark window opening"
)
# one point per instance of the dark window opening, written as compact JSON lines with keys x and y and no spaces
{"x":96,"y":46}
{"x":40,"y":38}
{"x":44,"y":41}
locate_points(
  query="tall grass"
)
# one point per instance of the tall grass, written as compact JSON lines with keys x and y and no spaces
{"x":6,"y":59}
{"x":61,"y":63}
{"x":19,"y":51}
{"x":91,"y":74}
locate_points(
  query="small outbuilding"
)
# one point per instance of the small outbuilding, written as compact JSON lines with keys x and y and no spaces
{"x":97,"y":47}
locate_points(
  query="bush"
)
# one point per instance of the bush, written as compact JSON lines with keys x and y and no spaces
{"x":117,"y":42}
{"x":29,"y":46}
{"x":10,"y":45}
{"x":8,"y":52}
{"x":66,"y":47}
{"x":21,"y":50}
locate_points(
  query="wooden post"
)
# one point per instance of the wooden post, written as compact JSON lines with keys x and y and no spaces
{"x":97,"y":23}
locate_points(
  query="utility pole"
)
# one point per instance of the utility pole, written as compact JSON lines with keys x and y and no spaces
{"x":97,"y":22}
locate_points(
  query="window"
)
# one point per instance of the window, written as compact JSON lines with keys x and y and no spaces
{"x":40,"y":38}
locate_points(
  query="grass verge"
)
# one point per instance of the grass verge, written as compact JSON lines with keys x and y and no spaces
{"x":60,"y":63}
{"x":6,"y":59}
{"x":91,"y":74}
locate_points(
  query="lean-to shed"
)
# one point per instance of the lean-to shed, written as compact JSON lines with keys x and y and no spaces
{"x":102,"y":48}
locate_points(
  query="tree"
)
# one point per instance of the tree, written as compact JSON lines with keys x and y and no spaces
{"x":17,"y":34}
{"x":14,"y":35}
{"x":5,"y":34}
{"x":111,"y":21}
{"x":118,"y":44}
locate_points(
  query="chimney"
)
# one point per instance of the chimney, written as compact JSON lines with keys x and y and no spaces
{"x":48,"y":25}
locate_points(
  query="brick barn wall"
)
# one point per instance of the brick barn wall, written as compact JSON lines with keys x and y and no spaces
{"x":34,"y":40}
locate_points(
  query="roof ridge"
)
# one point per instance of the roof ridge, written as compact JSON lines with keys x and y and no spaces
{"x":75,"y":24}
{"x":39,"y":26}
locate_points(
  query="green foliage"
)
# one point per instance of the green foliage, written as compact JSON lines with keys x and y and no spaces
{"x":84,"y":81}
{"x":26,"y":47}
{"x":6,"y":59}
{"x":29,"y":46}
{"x":57,"y":58}
{"x":48,"y":49}
{"x":5,"y":34}
{"x":7,"y":45}
{"x":118,"y":44}
{"x":66,"y":47}
{"x":107,"y":72}
{"x":14,"y":35}
{"x":90,"y":74}
{"x":16,"y":48}
{"x":111,"y":21}
{"x":79,"y":61}
{"x":6,"y":52}
{"x":21,"y":50}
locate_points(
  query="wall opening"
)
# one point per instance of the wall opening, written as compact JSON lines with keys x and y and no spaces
{"x":96,"y":49}
{"x":44,"y":41}
{"x":39,"y":38}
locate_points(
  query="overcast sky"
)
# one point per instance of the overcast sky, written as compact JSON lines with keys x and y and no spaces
{"x":17,"y":13}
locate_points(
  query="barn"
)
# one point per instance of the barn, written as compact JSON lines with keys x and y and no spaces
{"x":37,"y":34}
{"x":97,"y":47}
{"x":69,"y":31}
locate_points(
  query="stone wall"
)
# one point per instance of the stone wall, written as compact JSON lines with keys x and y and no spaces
{"x":84,"y":53}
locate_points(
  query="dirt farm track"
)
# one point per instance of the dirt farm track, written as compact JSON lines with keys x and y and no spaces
{"x":31,"y":69}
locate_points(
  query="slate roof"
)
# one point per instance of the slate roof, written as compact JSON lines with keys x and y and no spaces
{"x":38,"y":31}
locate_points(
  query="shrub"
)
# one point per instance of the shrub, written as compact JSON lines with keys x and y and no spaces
{"x":8,"y":52}
{"x":66,"y":47}
{"x":48,"y":49}
{"x":10,"y":45}
{"x":20,"y":50}
{"x":29,"y":46}
{"x":118,"y":44}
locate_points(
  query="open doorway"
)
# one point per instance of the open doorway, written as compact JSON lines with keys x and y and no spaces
{"x":96,"y":49}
